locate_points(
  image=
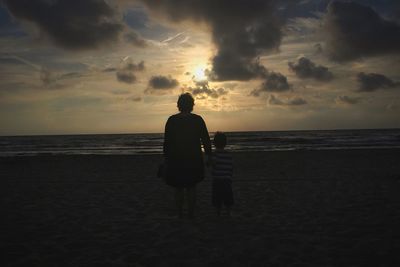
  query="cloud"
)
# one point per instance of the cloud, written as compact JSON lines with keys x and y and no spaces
{"x":47,"y":77}
{"x":54,"y":80}
{"x":355,"y":31}
{"x":303,"y":27}
{"x":172,"y":38}
{"x":71,"y":75}
{"x":160,"y":85}
{"x":228,"y":66}
{"x":134,"y":39}
{"x":74,"y":25}
{"x":126,"y":71}
{"x":274,"y":82}
{"x":272,"y":100}
{"x":128,"y":64}
{"x":318,"y":48}
{"x":296,"y":101}
{"x":203,"y":90}
{"x":162,"y":82}
{"x":109,"y":69}
{"x":305,"y":68}
{"x":134,"y":98}
{"x":369,"y":82}
{"x":126,"y":77}
{"x":240,"y":31}
{"x":348,"y":100}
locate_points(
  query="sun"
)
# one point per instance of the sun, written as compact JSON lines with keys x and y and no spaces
{"x":199,"y":73}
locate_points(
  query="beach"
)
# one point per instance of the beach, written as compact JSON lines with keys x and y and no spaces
{"x":292,"y":208}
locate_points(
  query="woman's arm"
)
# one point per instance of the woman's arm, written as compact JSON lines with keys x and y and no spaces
{"x":167,"y":138}
{"x":205,"y":138}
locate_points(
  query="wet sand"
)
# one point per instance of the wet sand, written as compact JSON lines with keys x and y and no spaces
{"x":300,"y":208}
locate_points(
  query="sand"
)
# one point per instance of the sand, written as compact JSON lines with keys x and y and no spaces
{"x":299,"y":208}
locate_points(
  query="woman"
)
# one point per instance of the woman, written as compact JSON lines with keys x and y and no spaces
{"x":185,"y":132}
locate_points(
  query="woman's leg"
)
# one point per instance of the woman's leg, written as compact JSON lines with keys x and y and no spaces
{"x":191,"y":198}
{"x":179,"y":198}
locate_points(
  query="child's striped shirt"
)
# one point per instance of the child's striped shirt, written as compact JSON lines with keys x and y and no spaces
{"x":222,"y":165}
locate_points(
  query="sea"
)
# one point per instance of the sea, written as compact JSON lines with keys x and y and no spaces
{"x":151,"y":143}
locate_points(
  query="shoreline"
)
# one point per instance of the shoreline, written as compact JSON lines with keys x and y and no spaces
{"x":231,"y":151}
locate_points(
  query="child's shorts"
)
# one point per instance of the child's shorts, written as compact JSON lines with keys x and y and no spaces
{"x":222,"y":193}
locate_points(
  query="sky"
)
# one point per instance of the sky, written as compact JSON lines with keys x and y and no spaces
{"x":118,"y":66}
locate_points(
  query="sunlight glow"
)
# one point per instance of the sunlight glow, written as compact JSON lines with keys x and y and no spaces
{"x":199,"y":73}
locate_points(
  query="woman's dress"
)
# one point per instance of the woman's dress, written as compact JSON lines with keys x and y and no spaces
{"x":184,"y":135}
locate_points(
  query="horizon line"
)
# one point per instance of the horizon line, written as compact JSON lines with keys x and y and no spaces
{"x":133,"y":133}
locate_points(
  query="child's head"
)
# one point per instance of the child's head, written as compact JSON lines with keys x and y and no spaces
{"x":219,"y":140}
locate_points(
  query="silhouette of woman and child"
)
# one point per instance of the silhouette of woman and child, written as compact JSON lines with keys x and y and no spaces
{"x":185,"y":134}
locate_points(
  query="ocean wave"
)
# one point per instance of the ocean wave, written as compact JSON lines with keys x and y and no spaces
{"x":126,"y":144}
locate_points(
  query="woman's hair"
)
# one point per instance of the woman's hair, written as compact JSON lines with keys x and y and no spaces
{"x":185,"y":102}
{"x":219,"y":140}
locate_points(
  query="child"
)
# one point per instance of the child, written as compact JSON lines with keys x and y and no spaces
{"x":222,"y":175}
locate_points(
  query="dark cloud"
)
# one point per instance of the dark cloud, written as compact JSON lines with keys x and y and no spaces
{"x":297,"y":101}
{"x":134,"y":98}
{"x":134,"y":39}
{"x":369,"y":82}
{"x":305,"y":68}
{"x":126,"y":77}
{"x":228,"y":67}
{"x":70,"y":24}
{"x":126,"y":71}
{"x":344,"y":99}
{"x":274,"y":82}
{"x":202,"y":90}
{"x":109,"y":69}
{"x":241,"y":31}
{"x":355,"y":31}
{"x":131,"y":66}
{"x":160,"y":82}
